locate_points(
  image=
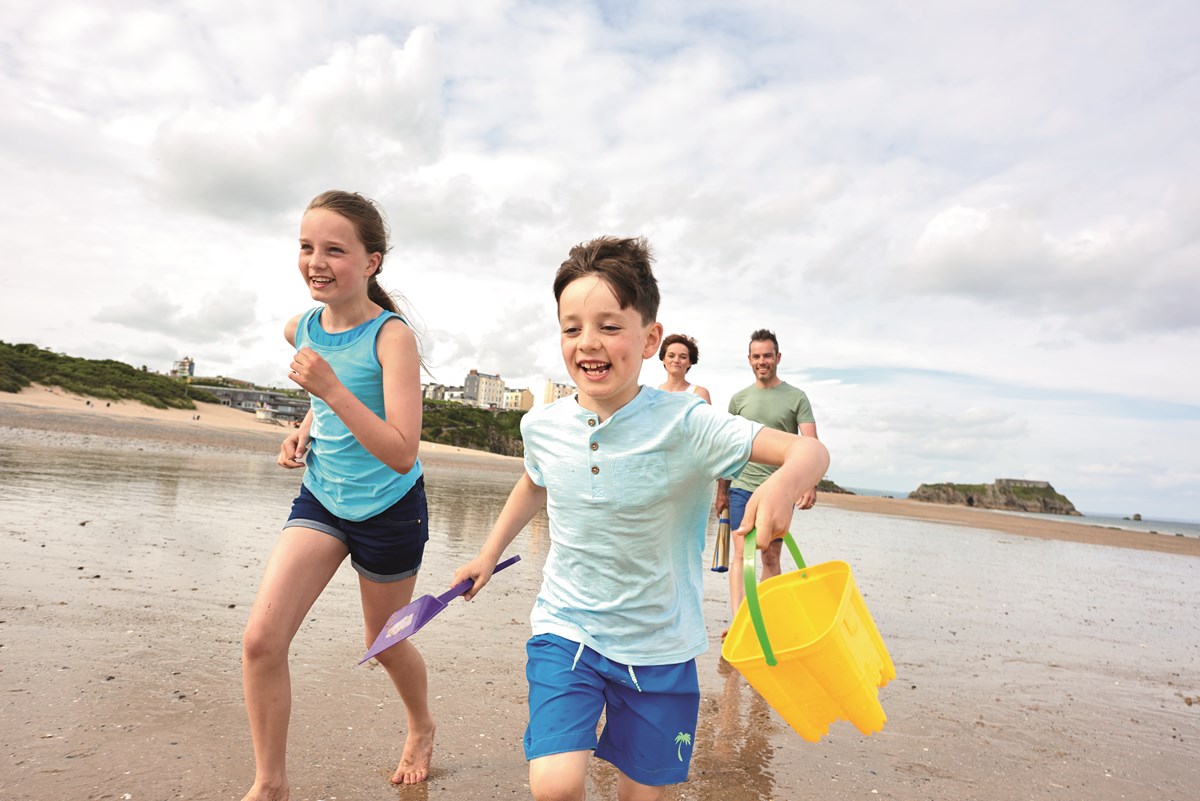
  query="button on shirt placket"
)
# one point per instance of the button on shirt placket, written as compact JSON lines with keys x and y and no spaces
{"x":597,"y":467}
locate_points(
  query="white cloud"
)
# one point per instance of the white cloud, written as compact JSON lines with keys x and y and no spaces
{"x":1115,"y":279}
{"x":371,"y":110}
{"x":215,"y":317}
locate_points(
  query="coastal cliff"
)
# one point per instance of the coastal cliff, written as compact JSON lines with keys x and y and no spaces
{"x":1014,"y":495}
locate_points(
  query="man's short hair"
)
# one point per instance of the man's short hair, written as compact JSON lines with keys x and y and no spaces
{"x":623,"y":264}
{"x":763,"y":335}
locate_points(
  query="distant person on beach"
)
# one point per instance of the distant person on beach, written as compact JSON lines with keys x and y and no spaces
{"x":363,"y":493}
{"x":625,"y":474}
{"x":778,"y":405}
{"x":678,"y":353}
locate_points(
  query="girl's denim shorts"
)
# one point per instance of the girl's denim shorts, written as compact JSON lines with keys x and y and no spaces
{"x":386,"y":547}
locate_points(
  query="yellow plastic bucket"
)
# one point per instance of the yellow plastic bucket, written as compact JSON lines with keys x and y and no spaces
{"x":824,"y":659}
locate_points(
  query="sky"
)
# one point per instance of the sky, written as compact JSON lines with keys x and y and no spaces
{"x":974,"y":227}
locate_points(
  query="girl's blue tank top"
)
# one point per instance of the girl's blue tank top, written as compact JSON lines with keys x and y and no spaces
{"x":344,"y":476}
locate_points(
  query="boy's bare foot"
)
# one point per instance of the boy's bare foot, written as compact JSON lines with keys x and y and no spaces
{"x":266,"y":794}
{"x":414,"y":762}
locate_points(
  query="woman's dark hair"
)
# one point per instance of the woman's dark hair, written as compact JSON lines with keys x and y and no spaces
{"x":680,"y":339}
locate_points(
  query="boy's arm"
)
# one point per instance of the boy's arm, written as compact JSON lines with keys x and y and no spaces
{"x":810,"y":497}
{"x":523,"y":503}
{"x":802,"y":463}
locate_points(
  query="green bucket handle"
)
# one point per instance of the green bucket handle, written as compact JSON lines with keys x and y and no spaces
{"x":750,"y":576}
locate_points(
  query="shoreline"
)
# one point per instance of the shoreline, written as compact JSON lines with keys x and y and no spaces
{"x":61,"y":415}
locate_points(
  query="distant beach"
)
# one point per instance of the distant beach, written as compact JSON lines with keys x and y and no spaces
{"x":1035,"y":658}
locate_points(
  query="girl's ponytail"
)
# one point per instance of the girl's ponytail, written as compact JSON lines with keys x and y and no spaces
{"x":380,"y":296}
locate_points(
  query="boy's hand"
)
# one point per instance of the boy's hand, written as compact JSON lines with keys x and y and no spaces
{"x":802,"y":462}
{"x":769,"y":510}
{"x":479,"y":570}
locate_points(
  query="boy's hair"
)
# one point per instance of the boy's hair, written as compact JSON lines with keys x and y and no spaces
{"x":680,"y":339}
{"x":364,"y":214}
{"x":763,"y":335}
{"x":623,"y":264}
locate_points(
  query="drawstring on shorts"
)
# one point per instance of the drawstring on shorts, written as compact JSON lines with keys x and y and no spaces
{"x":632,"y":675}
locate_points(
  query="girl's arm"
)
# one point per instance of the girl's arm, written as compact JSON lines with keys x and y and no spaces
{"x":802,"y":464}
{"x":395,"y":439}
{"x":293,"y":447}
{"x":523,"y":503}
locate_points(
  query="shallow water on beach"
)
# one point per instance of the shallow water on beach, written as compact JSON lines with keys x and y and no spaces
{"x":1027,"y":668}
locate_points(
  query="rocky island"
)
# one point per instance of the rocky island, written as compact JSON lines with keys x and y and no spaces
{"x":1011,"y":494}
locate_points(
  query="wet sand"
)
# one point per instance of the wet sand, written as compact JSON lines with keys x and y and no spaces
{"x":1036,"y":659}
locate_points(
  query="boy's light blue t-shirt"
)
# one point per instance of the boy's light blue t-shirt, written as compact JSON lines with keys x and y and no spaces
{"x":628,"y":504}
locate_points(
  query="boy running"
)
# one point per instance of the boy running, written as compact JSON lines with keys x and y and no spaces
{"x":625,"y":473}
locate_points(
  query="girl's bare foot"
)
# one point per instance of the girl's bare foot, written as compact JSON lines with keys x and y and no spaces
{"x":414,"y":762}
{"x":266,"y":794}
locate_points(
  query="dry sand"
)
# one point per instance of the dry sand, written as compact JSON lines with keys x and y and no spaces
{"x":122,"y":683}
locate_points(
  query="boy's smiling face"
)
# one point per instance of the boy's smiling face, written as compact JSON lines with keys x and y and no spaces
{"x":603,"y":345}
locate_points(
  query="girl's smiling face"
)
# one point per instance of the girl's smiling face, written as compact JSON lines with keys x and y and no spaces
{"x":333,"y":260}
{"x":603,"y":345}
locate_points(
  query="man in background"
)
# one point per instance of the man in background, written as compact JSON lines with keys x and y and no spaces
{"x":776,"y":404}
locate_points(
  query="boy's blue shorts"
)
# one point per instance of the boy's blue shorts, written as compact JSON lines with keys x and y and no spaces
{"x":386,"y":547}
{"x":650,"y":712}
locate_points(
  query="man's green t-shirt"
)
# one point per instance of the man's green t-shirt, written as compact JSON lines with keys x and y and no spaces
{"x":783,"y":407}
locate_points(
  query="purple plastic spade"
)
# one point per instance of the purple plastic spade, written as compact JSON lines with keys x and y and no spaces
{"x":408,"y":620}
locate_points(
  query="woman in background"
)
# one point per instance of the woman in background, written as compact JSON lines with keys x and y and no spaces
{"x":678,"y":353}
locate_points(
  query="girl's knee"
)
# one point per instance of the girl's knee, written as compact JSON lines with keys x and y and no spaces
{"x":262,"y":645}
{"x":401,"y":656}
